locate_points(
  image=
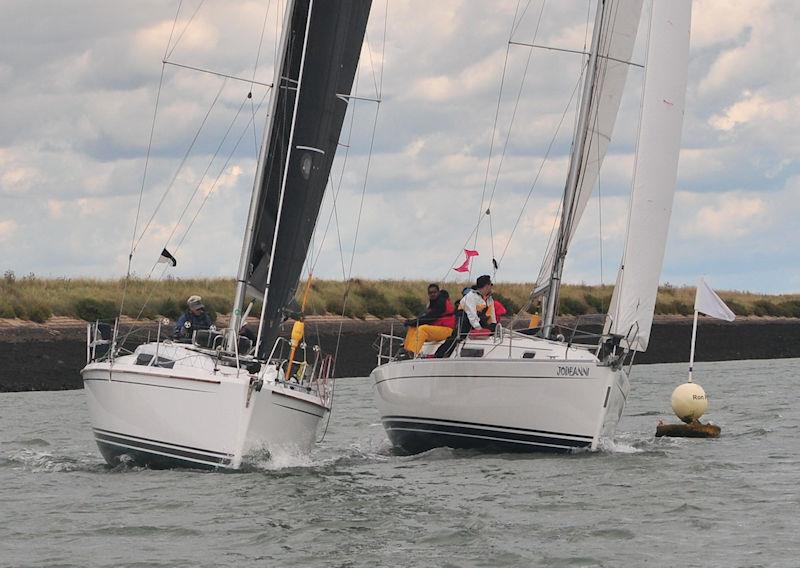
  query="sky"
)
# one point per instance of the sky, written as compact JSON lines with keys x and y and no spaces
{"x":81,"y":82}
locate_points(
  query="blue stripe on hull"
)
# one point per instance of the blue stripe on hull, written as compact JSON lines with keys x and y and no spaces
{"x":155,"y":454}
{"x":415,"y":436}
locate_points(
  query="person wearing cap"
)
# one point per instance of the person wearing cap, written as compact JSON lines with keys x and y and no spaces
{"x":478,"y":306}
{"x":193,"y":319}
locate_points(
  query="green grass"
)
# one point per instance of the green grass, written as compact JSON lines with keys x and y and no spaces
{"x":36,"y":299}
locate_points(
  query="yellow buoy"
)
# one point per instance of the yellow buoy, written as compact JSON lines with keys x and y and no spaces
{"x":689,"y":402}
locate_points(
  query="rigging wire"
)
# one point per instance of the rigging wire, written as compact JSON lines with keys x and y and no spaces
{"x":180,"y":166}
{"x":494,"y":129}
{"x":360,"y":209}
{"x":518,"y":23}
{"x":358,"y":218}
{"x":560,"y":212}
{"x":511,"y":122}
{"x":335,"y":195}
{"x":146,"y":163}
{"x":205,"y":172}
{"x":255,"y":69}
{"x":216,"y":73}
{"x":183,"y":31}
{"x":539,"y":172}
{"x":153,"y":283}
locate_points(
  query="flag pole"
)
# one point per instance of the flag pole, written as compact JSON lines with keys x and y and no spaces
{"x":691,"y":353}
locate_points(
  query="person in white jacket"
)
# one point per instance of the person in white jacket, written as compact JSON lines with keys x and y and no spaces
{"x":478,"y":306}
{"x":475,"y":311}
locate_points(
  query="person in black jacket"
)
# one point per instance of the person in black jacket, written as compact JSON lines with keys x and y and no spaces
{"x":435,"y":324}
{"x":193,"y":319}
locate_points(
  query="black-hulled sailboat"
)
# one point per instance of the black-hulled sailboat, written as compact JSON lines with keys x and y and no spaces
{"x":209,"y":402}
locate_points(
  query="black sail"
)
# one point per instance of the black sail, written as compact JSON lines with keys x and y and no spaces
{"x":335,"y":34}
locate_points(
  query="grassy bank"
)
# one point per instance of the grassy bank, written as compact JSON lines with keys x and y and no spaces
{"x":36,"y":299}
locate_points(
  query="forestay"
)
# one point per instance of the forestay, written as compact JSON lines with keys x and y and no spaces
{"x":321,"y":50}
{"x":655,"y":173}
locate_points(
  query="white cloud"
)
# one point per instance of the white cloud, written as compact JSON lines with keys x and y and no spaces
{"x":754,"y":107}
{"x":715,"y":22}
{"x":729,"y":217}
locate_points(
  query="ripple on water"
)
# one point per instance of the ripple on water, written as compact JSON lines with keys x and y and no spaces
{"x":31,"y":442}
{"x":145,"y":530}
{"x":37,"y":461}
{"x":613,"y":534}
{"x":685,"y":508}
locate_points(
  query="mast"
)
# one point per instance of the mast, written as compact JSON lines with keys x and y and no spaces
{"x":258,"y":186}
{"x":550,"y":302}
{"x":321,"y":49}
{"x":285,"y":175}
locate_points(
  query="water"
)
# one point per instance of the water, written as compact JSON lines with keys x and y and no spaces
{"x":640,"y":501}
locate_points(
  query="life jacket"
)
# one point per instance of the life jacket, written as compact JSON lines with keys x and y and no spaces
{"x":499,"y":310}
{"x":448,"y":318}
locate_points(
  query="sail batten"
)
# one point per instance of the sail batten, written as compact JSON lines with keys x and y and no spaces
{"x":655,"y":173}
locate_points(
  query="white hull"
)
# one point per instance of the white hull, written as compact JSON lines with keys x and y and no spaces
{"x":192,"y":415}
{"x":556,"y":404}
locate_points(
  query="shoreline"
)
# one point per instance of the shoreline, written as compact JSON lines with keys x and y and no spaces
{"x":49,"y":356}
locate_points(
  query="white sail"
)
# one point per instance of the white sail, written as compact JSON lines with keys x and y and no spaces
{"x":655,"y":173}
{"x":619,"y":23}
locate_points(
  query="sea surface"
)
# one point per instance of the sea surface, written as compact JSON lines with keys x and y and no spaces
{"x":640,"y":501}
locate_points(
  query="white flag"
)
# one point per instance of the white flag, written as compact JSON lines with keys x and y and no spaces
{"x":707,"y":302}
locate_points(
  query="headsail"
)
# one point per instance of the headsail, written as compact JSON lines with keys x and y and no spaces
{"x":322,"y":43}
{"x":616,"y":25}
{"x":655,"y":173}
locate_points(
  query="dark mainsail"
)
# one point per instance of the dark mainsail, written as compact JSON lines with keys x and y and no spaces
{"x":324,"y":72}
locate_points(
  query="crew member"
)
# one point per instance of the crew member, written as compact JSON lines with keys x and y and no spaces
{"x":436,"y":324}
{"x":193,"y":319}
{"x":475,"y":311}
{"x":478,"y":306}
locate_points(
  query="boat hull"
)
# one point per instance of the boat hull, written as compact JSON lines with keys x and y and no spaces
{"x":165,"y":418}
{"x":499,"y":405}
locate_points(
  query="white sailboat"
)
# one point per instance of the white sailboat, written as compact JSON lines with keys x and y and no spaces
{"x":209,"y":402}
{"x":544,"y":392}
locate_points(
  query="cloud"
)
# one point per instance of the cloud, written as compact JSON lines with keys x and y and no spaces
{"x":729,"y":217}
{"x":7,"y":229}
{"x":79,"y":91}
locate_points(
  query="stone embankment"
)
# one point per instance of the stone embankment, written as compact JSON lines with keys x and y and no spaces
{"x":49,"y":356}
